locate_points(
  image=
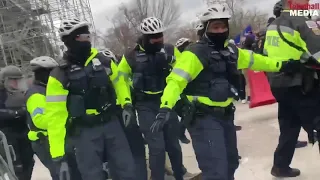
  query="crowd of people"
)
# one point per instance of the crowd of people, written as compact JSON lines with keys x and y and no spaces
{"x":94,"y":108}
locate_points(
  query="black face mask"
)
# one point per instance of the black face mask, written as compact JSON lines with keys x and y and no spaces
{"x":42,"y":75}
{"x":218,"y":39}
{"x":78,"y":52}
{"x":152,"y":48}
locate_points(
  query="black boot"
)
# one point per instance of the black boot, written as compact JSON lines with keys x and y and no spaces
{"x":301,"y":144}
{"x":238,"y":128}
{"x":285,"y":172}
{"x":184,"y":139}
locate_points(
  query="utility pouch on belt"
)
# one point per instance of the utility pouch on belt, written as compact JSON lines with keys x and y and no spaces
{"x":188,"y":111}
{"x":76,"y":106}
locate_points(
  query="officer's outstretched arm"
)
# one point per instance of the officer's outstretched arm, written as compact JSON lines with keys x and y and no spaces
{"x":250,"y":60}
{"x":56,"y":112}
{"x":186,"y":69}
{"x":35,"y":106}
{"x":120,"y":86}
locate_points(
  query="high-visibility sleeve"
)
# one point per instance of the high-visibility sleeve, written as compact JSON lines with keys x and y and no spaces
{"x":177,"y":55}
{"x":56,"y":112}
{"x":120,"y":86}
{"x":36,"y":107}
{"x":250,"y":60}
{"x":176,"y":52}
{"x":125,"y":71}
{"x":185,"y":70}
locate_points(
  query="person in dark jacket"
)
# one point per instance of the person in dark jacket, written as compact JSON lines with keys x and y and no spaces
{"x":14,"y":120}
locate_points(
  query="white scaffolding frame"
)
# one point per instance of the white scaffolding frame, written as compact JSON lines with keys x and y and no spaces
{"x":28,"y":28}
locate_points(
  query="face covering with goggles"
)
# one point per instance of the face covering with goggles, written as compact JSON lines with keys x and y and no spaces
{"x":152,"y":43}
{"x":217,"y":32}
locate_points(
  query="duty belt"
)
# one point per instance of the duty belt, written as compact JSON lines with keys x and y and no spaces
{"x":202,"y":109}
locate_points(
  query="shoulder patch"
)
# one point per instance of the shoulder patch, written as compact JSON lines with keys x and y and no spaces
{"x":312,"y":24}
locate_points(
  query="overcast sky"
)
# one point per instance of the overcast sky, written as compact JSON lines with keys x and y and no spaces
{"x":104,"y":9}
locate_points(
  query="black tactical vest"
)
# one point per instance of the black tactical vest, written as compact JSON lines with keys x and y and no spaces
{"x":219,"y":69}
{"x":89,"y":87}
{"x":149,"y":72}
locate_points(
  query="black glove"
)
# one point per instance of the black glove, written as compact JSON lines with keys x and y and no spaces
{"x":162,"y":118}
{"x":21,"y":112}
{"x":291,"y":66}
{"x":62,"y":167}
{"x":128,"y":115}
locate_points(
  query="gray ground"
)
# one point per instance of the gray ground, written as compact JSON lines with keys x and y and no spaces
{"x":257,"y":142}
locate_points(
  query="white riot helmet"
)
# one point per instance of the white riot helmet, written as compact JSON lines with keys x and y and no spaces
{"x":231,"y":41}
{"x":181,"y":41}
{"x":45,"y":62}
{"x":199,"y":27}
{"x":109,"y":54}
{"x":216,"y":11}
{"x":151,"y":25}
{"x":69,"y":25}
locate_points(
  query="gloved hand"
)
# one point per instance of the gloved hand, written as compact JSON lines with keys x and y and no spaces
{"x":162,"y":118}
{"x":21,"y":112}
{"x":291,"y":66}
{"x":128,"y":115}
{"x":61,"y":166}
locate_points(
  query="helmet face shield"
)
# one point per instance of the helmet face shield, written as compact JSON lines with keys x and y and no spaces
{"x":16,"y":84}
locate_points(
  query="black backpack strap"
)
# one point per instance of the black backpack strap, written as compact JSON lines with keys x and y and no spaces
{"x":286,"y":40}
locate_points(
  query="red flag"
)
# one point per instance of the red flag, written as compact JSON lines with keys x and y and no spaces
{"x":260,"y":92}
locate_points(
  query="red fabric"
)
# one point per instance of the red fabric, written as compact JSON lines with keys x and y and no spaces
{"x":260,"y":92}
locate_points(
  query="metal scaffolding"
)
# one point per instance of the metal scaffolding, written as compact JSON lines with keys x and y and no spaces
{"x":28,"y":28}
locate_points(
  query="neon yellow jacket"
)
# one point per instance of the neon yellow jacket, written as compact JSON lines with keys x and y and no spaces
{"x":36,"y":102}
{"x":189,"y":66}
{"x":56,"y":98}
{"x":301,"y":31}
{"x":126,"y":71}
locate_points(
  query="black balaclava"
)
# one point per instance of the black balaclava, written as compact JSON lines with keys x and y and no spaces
{"x":217,"y":39}
{"x":78,"y":52}
{"x":42,"y":75}
{"x":151,"y":48}
{"x":183,"y":46}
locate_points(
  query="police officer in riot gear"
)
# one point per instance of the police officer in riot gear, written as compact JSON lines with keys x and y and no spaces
{"x":206,"y":73}
{"x":297,"y":93}
{"x":182,"y":44}
{"x":135,"y":139}
{"x":81,"y":101}
{"x":14,"y":120}
{"x":148,"y":65}
{"x":38,"y":123}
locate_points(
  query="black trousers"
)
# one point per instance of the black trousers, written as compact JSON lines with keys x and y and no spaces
{"x":242,"y":90}
{"x":295,"y":110}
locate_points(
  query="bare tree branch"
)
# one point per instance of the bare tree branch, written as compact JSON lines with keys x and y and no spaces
{"x":129,"y":16}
